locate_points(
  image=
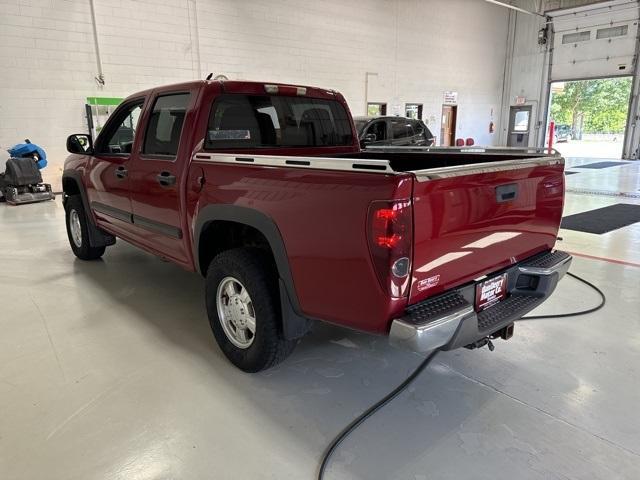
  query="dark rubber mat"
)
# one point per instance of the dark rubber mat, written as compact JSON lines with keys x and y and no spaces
{"x":599,"y":165}
{"x":603,"y":220}
{"x":570,"y":173}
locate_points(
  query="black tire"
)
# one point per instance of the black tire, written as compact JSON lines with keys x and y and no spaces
{"x":84,"y":250}
{"x":254,"y":270}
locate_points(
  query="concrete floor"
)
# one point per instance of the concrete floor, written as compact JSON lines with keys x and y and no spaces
{"x":591,"y":148}
{"x":108,"y":370}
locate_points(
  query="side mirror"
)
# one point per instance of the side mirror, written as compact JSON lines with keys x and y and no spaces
{"x":80,"y":143}
{"x":370,"y":138}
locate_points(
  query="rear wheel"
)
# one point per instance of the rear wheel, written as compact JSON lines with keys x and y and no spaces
{"x":78,"y":230}
{"x":243,"y":309}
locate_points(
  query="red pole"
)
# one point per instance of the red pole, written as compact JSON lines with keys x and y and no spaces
{"x":552,"y":127}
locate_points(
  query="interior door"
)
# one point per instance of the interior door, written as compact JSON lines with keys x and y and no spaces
{"x":156,"y":176}
{"x":108,"y":182}
{"x":519,"y":126}
{"x":448,"y":128}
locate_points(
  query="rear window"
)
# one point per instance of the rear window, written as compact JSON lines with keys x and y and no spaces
{"x":251,"y":121}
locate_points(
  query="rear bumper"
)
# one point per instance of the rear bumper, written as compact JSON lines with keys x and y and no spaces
{"x":449,"y":320}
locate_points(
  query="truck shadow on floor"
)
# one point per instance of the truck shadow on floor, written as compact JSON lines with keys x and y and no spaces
{"x":333,"y":375}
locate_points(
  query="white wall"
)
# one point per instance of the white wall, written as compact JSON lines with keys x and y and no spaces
{"x":418,"y":48}
{"x":528,"y":74}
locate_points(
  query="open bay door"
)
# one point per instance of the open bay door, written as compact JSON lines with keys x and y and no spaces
{"x":599,"y":41}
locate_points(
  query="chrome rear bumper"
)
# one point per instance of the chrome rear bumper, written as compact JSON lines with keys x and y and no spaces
{"x":449,"y":320}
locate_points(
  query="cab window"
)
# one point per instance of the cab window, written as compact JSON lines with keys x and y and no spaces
{"x":120,"y":130}
{"x":401,"y":129}
{"x":379,"y":129}
{"x":165,"y":125}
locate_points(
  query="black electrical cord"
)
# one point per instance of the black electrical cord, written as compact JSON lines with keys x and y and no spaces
{"x":400,"y":388}
{"x":370,"y":411}
{"x":603,"y":300}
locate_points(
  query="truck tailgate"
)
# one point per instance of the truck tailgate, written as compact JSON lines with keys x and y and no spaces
{"x":473,"y":220}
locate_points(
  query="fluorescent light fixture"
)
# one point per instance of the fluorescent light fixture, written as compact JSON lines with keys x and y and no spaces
{"x":513,"y":7}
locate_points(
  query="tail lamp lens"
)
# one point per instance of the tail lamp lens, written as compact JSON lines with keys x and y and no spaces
{"x":390,"y":233}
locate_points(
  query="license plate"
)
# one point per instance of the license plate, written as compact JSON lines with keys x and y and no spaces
{"x":491,"y":291}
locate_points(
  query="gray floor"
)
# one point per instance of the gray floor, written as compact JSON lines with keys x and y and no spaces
{"x":108,"y":370}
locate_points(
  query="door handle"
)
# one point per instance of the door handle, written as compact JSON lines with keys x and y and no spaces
{"x":121,"y":172}
{"x":506,"y":193}
{"x":166,"y":179}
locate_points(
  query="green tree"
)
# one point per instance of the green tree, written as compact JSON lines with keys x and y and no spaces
{"x":602,"y":104}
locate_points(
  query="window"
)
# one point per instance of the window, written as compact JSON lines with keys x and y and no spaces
{"x":401,"y":129}
{"x":521,"y":121}
{"x":413,"y":110}
{"x":376,"y":109}
{"x":379,"y":129}
{"x":119,"y":132}
{"x":576,"y":37}
{"x":247,"y":121}
{"x":165,"y":125}
{"x":418,"y":127}
{"x":619,"y":31}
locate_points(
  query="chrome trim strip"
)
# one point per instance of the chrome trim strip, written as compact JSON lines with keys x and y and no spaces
{"x":487,"y":167}
{"x":429,"y":336}
{"x":561,"y":267}
{"x":316,"y":163}
{"x":471,"y":149}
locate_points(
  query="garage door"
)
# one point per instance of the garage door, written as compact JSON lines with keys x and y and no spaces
{"x":594,"y":41}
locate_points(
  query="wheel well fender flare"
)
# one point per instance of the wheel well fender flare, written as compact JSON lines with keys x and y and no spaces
{"x":97,"y":237}
{"x":295,"y":324}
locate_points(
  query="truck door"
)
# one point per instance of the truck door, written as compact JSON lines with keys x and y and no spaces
{"x":156,"y":176}
{"x":108,"y":183}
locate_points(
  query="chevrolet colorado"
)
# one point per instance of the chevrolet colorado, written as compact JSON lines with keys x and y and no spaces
{"x":263,"y":189}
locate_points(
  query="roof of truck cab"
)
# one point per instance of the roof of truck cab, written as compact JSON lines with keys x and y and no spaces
{"x":244,"y":87}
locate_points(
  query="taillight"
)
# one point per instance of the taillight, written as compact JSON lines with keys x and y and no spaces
{"x":390,"y":232}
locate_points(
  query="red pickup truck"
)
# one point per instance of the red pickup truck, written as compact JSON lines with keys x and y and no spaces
{"x":263,"y":189}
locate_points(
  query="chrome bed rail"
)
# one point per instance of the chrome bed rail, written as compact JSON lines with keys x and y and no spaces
{"x":316,"y":163}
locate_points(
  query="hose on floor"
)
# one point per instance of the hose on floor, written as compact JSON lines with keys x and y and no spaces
{"x":603,"y":300}
{"x":424,"y":364}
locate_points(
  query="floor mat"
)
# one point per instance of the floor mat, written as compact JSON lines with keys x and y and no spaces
{"x":603,"y":220}
{"x":599,"y":165}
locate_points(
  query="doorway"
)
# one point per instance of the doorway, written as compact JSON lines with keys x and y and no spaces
{"x":448,"y":127}
{"x":519,"y":126}
{"x":590,"y":116}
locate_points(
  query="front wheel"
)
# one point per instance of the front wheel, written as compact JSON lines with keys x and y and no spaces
{"x":243,"y":309}
{"x":78,"y":230}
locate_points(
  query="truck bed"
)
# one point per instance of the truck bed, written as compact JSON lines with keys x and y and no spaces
{"x":475,"y":210}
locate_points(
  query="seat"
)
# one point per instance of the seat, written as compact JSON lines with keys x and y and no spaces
{"x":20,"y":172}
{"x":318,"y":121}
{"x":469,"y":142}
{"x":460,"y":142}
